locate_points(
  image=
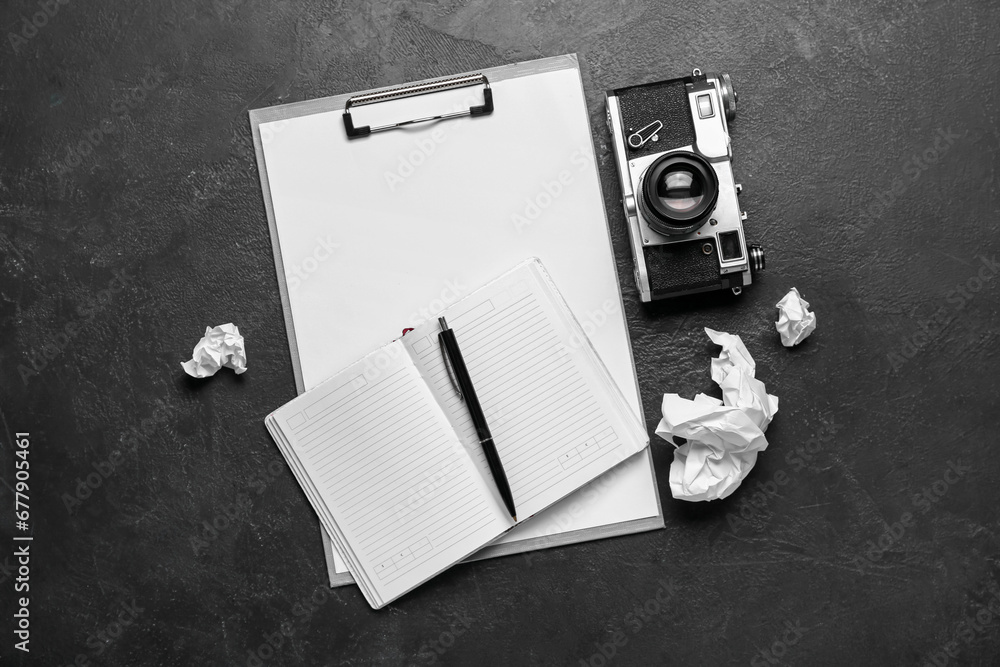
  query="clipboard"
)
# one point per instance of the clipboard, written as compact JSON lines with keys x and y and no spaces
{"x":387,"y":205}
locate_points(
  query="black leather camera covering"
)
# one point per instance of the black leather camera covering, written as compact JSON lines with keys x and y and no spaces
{"x":665,"y":101}
{"x":678,"y":268}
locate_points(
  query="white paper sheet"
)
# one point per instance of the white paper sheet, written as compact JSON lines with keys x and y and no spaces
{"x":381,"y":233}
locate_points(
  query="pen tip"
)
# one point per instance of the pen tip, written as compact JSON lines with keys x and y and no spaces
{"x":514,"y":517}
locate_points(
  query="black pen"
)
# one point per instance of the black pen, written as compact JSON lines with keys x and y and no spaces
{"x":463,"y":383}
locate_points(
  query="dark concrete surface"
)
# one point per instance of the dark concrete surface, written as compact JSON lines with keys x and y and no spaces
{"x":131,"y":217}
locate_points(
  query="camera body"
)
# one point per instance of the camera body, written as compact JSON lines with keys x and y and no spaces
{"x":672,"y":148}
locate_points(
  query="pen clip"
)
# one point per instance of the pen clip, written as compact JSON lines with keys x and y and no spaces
{"x":447,"y":363}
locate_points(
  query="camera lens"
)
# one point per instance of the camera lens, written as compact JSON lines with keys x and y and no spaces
{"x":678,"y":191}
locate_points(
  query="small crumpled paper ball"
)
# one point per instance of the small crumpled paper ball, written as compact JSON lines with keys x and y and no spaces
{"x":795,"y":322}
{"x":220,"y":346}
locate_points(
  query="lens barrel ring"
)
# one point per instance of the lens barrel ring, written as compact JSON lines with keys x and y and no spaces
{"x":672,"y":220}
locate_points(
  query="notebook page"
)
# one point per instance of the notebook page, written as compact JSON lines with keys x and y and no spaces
{"x":557,"y":418}
{"x":388,"y":473}
{"x":336,"y":538}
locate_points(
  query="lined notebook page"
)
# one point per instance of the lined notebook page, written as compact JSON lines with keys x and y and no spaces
{"x":557,"y":418}
{"x":402,"y":492}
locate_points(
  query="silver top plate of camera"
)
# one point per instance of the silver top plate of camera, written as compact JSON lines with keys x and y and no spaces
{"x":659,"y":114}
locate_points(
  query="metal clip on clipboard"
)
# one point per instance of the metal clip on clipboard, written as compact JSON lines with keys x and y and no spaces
{"x":412,"y":91}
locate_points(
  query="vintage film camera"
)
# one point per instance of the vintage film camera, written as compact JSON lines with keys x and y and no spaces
{"x":671,"y":142}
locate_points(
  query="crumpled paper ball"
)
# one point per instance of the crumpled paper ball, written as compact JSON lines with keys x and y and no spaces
{"x":721,"y":448}
{"x":220,"y":346}
{"x":721,"y":438}
{"x":734,"y":370}
{"x":795,"y":322}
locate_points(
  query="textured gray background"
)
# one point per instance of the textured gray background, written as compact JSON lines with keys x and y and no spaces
{"x":835,"y":99}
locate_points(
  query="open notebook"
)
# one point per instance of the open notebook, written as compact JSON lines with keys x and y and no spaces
{"x":388,"y":455}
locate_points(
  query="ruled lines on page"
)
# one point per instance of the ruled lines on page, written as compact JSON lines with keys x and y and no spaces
{"x":385,"y":460}
{"x":553,"y":424}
